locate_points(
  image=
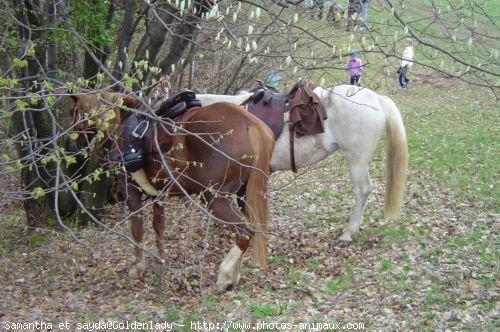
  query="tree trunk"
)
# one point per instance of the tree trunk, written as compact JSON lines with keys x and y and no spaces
{"x":182,"y":38}
{"x":94,"y":195}
{"x":52,"y":46}
{"x":34,"y":125}
{"x":184,"y":34}
{"x":127,"y":30}
{"x":69,"y":59}
{"x":36,"y":122}
{"x":154,"y":38}
{"x":91,"y":67}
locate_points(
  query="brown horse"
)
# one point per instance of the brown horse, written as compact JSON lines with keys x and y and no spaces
{"x":219,"y":151}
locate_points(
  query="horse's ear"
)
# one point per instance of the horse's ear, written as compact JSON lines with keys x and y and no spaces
{"x":74,"y":98}
{"x":130,"y":102}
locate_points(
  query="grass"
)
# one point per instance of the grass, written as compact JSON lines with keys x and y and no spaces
{"x":343,"y":282}
{"x":36,"y":240}
{"x":338,"y":284}
{"x":278,"y":259}
{"x":395,"y":283}
{"x":261,"y":311}
{"x":393,"y":233}
{"x":386,"y":265}
{"x":456,"y":139}
{"x":314,"y":263}
{"x":437,"y":296}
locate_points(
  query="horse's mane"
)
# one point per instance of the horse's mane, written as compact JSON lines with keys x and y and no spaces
{"x":99,"y":102}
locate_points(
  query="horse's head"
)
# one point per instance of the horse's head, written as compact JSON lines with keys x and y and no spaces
{"x":94,"y":114}
{"x":79,"y":120}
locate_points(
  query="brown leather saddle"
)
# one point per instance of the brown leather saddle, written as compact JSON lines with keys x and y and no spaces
{"x":306,"y":113}
{"x":140,"y":132}
{"x":269,"y":107}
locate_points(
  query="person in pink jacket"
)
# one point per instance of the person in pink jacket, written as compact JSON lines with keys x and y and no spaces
{"x":354,"y":66}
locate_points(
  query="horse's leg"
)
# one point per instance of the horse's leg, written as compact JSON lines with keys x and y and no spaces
{"x":229,"y":270}
{"x":136,"y":227}
{"x":360,"y":176}
{"x":159,"y":227}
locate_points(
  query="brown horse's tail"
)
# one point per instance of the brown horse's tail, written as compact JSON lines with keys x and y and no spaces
{"x":262,"y":142}
{"x":397,"y":159}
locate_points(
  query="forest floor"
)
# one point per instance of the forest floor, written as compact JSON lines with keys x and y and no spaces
{"x":436,"y":268}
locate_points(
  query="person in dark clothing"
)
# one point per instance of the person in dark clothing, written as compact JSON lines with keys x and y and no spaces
{"x":406,"y":63}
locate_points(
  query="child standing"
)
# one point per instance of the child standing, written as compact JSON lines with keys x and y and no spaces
{"x":354,"y":66}
{"x":364,"y":13}
{"x":406,"y":63}
{"x":273,"y":79}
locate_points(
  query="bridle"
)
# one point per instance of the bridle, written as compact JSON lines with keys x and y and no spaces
{"x":85,"y":133}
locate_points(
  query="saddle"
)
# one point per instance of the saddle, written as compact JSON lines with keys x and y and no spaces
{"x":178,"y":104}
{"x":269,"y":107}
{"x":137,"y":136}
{"x":306,"y":113}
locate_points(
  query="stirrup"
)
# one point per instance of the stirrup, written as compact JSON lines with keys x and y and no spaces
{"x":141,"y":129}
{"x":133,"y":159}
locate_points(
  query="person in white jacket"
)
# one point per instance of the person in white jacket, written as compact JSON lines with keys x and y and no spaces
{"x":406,"y":63}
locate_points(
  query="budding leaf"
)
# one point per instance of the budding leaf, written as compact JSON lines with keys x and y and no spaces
{"x":37,"y":193}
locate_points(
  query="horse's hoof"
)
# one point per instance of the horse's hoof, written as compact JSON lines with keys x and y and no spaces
{"x":221,"y":288}
{"x":133,"y":274}
{"x":343,"y":243}
{"x":345,"y":238}
{"x":163,"y":257}
{"x":136,"y":273}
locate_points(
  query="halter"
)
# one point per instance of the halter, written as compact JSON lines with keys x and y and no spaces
{"x":77,"y":121}
{"x":77,"y":117}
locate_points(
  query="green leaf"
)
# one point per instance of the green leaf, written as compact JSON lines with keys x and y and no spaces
{"x":19,"y":63}
{"x":37,"y":192}
{"x":21,"y":104}
{"x":70,"y":160}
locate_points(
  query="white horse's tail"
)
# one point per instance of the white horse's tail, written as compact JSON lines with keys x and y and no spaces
{"x":397,"y":159}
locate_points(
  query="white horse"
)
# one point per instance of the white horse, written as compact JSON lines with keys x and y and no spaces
{"x":357,"y":118}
